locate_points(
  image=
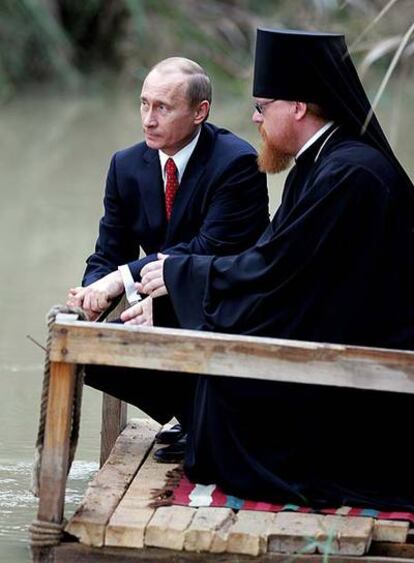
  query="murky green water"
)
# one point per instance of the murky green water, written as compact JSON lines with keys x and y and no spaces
{"x":54,"y":152}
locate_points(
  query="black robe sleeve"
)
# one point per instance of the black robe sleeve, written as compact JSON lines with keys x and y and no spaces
{"x":319,"y":259}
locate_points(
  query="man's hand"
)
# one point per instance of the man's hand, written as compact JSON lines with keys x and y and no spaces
{"x":75,"y":299}
{"x":75,"y":296}
{"x":152,"y":278}
{"x":96,"y":298}
{"x":139,"y":314}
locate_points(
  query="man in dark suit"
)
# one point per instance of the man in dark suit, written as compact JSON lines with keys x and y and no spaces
{"x":190,"y":188}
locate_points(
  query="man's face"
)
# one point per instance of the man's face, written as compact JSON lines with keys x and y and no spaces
{"x":168,"y":120}
{"x":275,"y":123}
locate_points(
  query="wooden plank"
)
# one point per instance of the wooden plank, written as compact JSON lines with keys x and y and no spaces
{"x":390,"y":531}
{"x":233,"y":355}
{"x":293,"y":532}
{"x":310,"y":533}
{"x":127,"y":525}
{"x":114,"y":411}
{"x":206,"y":524}
{"x":114,"y":419}
{"x":220,"y":538}
{"x":390,"y":549}
{"x":54,"y":467}
{"x":347,"y":535}
{"x":71,"y":552}
{"x":249,"y":533}
{"x":167,"y":527}
{"x":107,"y":488}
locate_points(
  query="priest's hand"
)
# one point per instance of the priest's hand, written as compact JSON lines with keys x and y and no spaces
{"x":96,"y":298}
{"x":152,"y":278}
{"x":139,"y":314}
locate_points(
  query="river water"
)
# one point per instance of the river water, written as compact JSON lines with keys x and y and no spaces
{"x":54,"y":153}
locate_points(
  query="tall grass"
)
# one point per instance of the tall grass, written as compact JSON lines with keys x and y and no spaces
{"x":33,"y":45}
{"x":63,"y":40}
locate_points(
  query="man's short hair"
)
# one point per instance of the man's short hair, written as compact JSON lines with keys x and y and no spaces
{"x":199,"y":85}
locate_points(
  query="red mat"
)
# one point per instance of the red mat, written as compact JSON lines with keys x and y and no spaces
{"x":179,"y":490}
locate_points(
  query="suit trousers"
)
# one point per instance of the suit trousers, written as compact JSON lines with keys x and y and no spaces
{"x":160,"y":394}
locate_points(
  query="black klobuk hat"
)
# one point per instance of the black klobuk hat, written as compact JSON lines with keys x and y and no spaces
{"x":317,"y":67}
{"x":294,"y":65}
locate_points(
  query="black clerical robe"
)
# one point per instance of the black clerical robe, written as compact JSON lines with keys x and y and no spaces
{"x":335,"y":265}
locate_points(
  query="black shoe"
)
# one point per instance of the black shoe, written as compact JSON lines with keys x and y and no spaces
{"x":174,"y":453}
{"x":170,"y":436}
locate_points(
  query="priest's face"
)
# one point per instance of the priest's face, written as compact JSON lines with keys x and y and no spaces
{"x":276,"y":126}
{"x":169,"y":121}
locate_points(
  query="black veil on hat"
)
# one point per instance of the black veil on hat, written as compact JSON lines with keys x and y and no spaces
{"x":317,"y":68}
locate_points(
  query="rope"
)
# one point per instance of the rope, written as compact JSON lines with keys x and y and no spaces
{"x":45,"y":534}
{"x":48,"y":533}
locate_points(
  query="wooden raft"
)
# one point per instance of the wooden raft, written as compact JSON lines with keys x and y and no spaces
{"x":115,"y":520}
{"x":115,"y":513}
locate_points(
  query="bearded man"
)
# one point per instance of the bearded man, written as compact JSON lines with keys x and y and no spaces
{"x":335,"y":265}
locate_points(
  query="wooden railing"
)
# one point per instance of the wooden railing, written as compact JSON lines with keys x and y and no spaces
{"x":195,"y":352}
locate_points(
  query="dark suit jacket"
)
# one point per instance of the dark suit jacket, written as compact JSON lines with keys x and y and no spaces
{"x":221,"y":206}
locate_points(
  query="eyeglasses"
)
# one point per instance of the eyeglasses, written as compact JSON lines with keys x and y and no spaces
{"x":260,"y":106}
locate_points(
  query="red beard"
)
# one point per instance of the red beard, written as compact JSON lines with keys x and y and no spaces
{"x":270,"y":158}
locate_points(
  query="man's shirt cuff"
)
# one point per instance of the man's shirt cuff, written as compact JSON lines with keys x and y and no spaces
{"x":129,"y":284}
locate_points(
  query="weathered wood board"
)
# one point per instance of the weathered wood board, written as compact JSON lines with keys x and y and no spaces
{"x":109,"y":485}
{"x":348,"y":535}
{"x":113,"y":422}
{"x":233,"y":355}
{"x":293,"y":532}
{"x":128,"y":523}
{"x":55,"y":459}
{"x":74,"y":552}
{"x":205,"y":526}
{"x":390,"y":531}
{"x":168,"y":525}
{"x":249,"y":533}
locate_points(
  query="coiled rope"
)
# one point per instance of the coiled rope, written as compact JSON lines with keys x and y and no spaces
{"x":44,"y":533}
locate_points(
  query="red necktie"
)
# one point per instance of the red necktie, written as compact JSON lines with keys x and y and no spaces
{"x":171,"y":186}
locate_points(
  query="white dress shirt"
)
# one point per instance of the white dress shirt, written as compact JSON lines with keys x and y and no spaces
{"x":181,"y":159}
